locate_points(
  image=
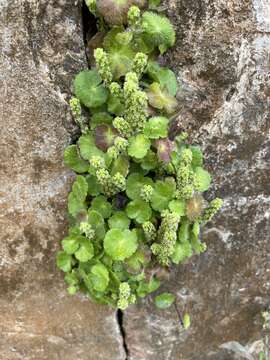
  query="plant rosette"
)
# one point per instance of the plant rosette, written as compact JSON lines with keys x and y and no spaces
{"x":137,"y":203}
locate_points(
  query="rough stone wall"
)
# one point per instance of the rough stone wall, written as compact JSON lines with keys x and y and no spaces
{"x":41,"y":50}
{"x":222,"y":58}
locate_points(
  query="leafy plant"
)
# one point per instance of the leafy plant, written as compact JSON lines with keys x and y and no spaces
{"x":136,"y":204}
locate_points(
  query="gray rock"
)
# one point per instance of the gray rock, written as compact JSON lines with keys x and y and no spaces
{"x":41,"y":50}
{"x":222,"y":58}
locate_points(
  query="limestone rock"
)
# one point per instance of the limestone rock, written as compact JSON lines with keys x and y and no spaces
{"x":222,"y":58}
{"x":41,"y":50}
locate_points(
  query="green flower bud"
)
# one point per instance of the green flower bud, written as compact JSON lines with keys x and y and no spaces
{"x":147,"y":192}
{"x":139,"y":64}
{"x":97,"y":162}
{"x":214,"y":207}
{"x":134,"y":15}
{"x":103,"y":65}
{"x":86,"y":228}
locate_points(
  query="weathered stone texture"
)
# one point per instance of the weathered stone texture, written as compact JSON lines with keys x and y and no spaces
{"x":41,"y":50}
{"x":222,"y":58}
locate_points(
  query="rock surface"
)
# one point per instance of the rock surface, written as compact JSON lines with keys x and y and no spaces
{"x":222,"y":58}
{"x":41,"y":50}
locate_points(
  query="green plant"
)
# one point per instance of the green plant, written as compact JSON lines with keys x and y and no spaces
{"x":136,"y":206}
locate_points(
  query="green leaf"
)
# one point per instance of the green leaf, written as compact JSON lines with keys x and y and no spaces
{"x":196,"y":228}
{"x":120,"y":165}
{"x":94,"y":188}
{"x":163,"y":193}
{"x":101,"y":205}
{"x":183,"y":234}
{"x":164,"y":76}
{"x":154,"y":3}
{"x":182,"y":251}
{"x":64,"y":261}
{"x":150,"y":161}
{"x":186,"y":321}
{"x":178,"y":207}
{"x":145,"y":288}
{"x":202,"y":179}
{"x":139,"y":210}
{"x":156,"y":127}
{"x":86,"y":250}
{"x":119,"y":220}
{"x":70,"y":244}
{"x":75,"y":206}
{"x":197,"y":156}
{"x":136,"y":261}
{"x":88,"y":148}
{"x":97,"y":222}
{"x":158,"y":30}
{"x":115,"y":106}
{"x":99,"y":277}
{"x":138,"y":146}
{"x":80,"y":188}
{"x":120,"y":244}
{"x":120,"y":52}
{"x":71,"y":278}
{"x":164,"y":300}
{"x":72,"y":290}
{"x":99,"y":119}
{"x":134,"y":185}
{"x":73,"y":160}
{"x":160,"y":98}
{"x":89,"y":90}
{"x":197,"y":245}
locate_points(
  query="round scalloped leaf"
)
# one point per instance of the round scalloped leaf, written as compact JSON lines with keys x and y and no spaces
{"x":178,"y":207}
{"x":94,"y":188}
{"x":80,"y":188}
{"x":121,"y":53}
{"x":75,"y":206}
{"x":134,"y":185}
{"x":97,"y":222}
{"x":88,"y":148}
{"x":99,"y":276}
{"x":158,"y":30}
{"x":119,"y":220}
{"x":160,"y":98}
{"x":164,"y":76}
{"x":182,"y":251}
{"x":139,"y":210}
{"x":156,"y":127}
{"x":89,"y":90}
{"x":105,"y":136}
{"x":100,"y":118}
{"x":70,"y":244}
{"x":163,"y":194}
{"x":86,"y":250}
{"x":165,"y":148}
{"x":138,"y":146}
{"x":120,"y":165}
{"x":165,"y":300}
{"x":150,"y":161}
{"x":202,"y":179}
{"x":120,"y":244}
{"x":64,"y":261}
{"x":101,"y":205}
{"x":73,"y":160}
{"x":145,"y":288}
